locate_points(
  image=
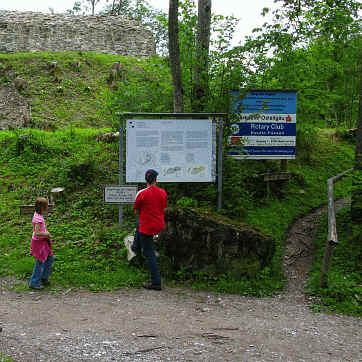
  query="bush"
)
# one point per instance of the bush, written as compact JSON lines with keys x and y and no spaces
{"x":307,"y":143}
{"x":343,"y":293}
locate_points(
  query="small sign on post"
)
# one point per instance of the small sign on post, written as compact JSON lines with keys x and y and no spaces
{"x":28,"y":210}
{"x":119,"y":194}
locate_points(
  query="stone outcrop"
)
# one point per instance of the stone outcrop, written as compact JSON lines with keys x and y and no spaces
{"x":33,"y":32}
{"x":14,"y":109}
{"x":204,"y":242}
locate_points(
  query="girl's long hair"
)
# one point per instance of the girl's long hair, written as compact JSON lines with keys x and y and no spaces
{"x":41,"y":203}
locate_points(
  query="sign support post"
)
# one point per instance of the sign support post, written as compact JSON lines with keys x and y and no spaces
{"x":120,"y":211}
{"x":219,"y":166}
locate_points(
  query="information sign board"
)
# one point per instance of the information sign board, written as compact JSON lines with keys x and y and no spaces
{"x":180,"y":150}
{"x":266,"y":126}
{"x":119,"y":194}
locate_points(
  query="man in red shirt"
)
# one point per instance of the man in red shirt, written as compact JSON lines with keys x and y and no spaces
{"x":150,"y":204}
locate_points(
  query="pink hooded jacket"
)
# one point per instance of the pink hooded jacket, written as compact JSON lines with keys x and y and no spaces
{"x":41,"y":247}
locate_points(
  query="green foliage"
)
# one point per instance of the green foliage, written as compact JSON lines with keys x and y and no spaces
{"x":146,"y":88}
{"x":259,"y":284}
{"x":307,"y":142}
{"x":220,"y":68}
{"x":187,"y":202}
{"x":3,"y":358}
{"x":344,"y":291}
{"x":316,"y":50}
{"x":346,"y":135}
{"x":87,"y":241}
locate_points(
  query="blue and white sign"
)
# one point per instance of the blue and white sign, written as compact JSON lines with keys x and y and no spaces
{"x":266,"y":127}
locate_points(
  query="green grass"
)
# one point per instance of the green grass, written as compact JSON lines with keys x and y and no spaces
{"x":3,"y":358}
{"x":344,"y":292}
{"x":77,"y":104}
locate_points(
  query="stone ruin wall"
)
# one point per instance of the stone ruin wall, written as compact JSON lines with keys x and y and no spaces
{"x":33,"y":32}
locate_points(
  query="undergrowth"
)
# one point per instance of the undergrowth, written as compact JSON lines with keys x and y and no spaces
{"x":55,"y":151}
{"x":87,"y":241}
{"x":343,"y":292}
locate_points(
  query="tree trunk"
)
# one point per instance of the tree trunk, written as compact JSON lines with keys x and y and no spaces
{"x":174,"y":53}
{"x":357,"y":177}
{"x":200,"y":89}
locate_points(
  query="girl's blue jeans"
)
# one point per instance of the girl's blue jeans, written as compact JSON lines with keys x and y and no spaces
{"x":148,"y":248}
{"x":41,"y":271}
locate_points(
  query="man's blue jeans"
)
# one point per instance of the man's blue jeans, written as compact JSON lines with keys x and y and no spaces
{"x":136,"y":240}
{"x":41,"y":271}
{"x":148,"y":247}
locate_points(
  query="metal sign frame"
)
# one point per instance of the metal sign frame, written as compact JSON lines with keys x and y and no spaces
{"x":217,"y":116}
{"x":267,"y":125}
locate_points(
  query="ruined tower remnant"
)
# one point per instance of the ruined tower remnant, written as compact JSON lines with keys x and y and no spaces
{"x":32,"y":32}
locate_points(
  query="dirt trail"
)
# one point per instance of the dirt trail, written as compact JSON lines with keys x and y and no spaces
{"x":178,"y":324}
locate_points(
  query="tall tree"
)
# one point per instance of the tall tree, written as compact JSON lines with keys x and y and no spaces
{"x":357,"y":179}
{"x":93,"y":4}
{"x":313,"y":46}
{"x":81,"y":7}
{"x":140,"y":10}
{"x":174,"y":53}
{"x":200,"y":90}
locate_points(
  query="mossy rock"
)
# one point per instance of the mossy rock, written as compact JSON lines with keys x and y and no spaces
{"x":196,"y":240}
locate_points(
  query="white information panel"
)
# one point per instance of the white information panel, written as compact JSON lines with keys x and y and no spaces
{"x":180,"y":150}
{"x":119,"y":194}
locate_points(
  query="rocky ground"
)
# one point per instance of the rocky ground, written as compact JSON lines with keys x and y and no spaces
{"x":179,"y":324}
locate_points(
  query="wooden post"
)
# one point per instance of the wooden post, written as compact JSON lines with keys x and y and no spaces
{"x":326,"y":262}
{"x":332,"y":229}
{"x":28,"y":210}
{"x":54,"y":194}
{"x":284,"y":165}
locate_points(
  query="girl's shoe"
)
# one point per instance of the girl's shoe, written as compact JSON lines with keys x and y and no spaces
{"x":36,"y":287}
{"x":152,"y":286}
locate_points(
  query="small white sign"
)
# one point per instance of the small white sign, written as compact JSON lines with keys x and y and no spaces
{"x":119,"y":194}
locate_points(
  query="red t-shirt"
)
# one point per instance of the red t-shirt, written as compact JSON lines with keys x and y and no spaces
{"x":150,"y":204}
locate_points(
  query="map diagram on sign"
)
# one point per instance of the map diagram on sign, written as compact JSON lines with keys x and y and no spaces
{"x":180,"y":150}
{"x":146,"y":158}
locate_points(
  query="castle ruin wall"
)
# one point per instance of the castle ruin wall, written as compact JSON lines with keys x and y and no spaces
{"x":109,"y":34}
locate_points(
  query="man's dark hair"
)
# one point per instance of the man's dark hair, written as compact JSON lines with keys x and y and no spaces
{"x":150,"y":176}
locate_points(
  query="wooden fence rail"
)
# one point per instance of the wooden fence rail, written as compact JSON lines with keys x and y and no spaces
{"x":332,"y":239}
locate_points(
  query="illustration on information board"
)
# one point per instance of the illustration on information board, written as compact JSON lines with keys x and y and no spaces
{"x":196,"y":171}
{"x":145,"y":158}
{"x":175,"y":171}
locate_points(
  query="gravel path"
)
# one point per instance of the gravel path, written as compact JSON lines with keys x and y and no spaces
{"x":179,"y":324}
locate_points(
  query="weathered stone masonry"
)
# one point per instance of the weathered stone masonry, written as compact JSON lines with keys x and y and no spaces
{"x":32,"y":32}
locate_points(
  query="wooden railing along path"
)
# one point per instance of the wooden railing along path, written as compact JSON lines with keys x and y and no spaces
{"x":332,"y":228}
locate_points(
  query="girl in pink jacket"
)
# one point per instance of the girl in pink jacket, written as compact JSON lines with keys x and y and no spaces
{"x":41,"y":247}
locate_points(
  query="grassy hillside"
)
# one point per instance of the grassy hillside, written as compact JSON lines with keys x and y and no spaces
{"x":88,"y":242}
{"x":83,"y":96}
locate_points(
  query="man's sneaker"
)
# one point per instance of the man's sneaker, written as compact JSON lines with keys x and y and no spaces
{"x":36,"y":287}
{"x":152,"y":286}
{"x":45,"y":282}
